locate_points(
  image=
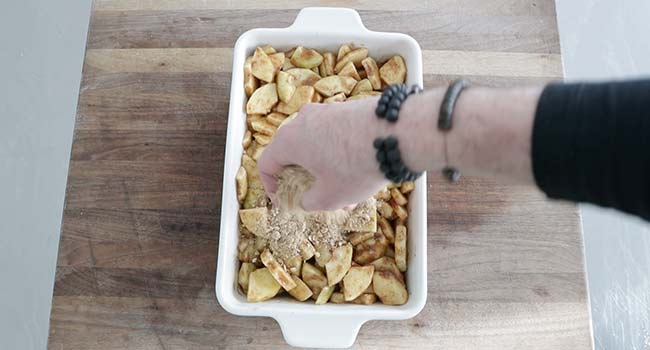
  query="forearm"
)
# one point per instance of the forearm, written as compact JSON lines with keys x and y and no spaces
{"x":490,"y":137}
{"x":582,"y":142}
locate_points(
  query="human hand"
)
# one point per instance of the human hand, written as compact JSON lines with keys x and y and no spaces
{"x":334,"y":143}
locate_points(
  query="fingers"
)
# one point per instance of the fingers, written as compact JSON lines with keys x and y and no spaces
{"x":310,"y":107}
{"x":270,"y":164}
{"x":320,"y":197}
{"x":350,"y":207}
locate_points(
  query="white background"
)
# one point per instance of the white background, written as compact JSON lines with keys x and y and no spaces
{"x":41,"y":53}
{"x":604,"y":39}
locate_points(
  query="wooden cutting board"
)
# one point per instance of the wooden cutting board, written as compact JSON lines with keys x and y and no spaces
{"x":136,"y":265}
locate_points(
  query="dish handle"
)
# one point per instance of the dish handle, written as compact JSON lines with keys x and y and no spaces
{"x":328,"y":19}
{"x":320,"y":330}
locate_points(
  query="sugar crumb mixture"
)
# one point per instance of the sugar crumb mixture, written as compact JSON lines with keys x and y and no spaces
{"x":290,"y":226}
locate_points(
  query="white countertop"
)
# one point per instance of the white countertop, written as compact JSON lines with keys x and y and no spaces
{"x":41,"y":53}
{"x":605,"y":39}
{"x":40,"y":68}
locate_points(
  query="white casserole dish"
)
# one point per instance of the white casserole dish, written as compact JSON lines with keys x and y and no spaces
{"x":303,"y":324}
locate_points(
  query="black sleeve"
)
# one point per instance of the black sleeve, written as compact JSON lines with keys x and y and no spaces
{"x":591,"y":143}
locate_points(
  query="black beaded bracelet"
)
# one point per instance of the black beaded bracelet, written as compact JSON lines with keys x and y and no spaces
{"x":388,"y":155}
{"x":390,"y":161}
{"x":391,"y":100}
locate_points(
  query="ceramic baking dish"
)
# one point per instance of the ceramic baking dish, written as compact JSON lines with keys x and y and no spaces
{"x":306,"y":324}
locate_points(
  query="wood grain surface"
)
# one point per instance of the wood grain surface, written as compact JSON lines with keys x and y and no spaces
{"x":136,"y":265}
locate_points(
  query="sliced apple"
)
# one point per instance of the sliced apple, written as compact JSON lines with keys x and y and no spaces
{"x":288,"y":119}
{"x":278,"y":61}
{"x":400,"y":212}
{"x":241,"y":180}
{"x":407,"y":187}
{"x":314,"y":278}
{"x":388,"y":264}
{"x":400,"y":247}
{"x":365,"y":299}
{"x":304,"y":76}
{"x":302,"y":96}
{"x":326,"y":68}
{"x":398,"y":197}
{"x":246,"y":249}
{"x":393,"y":71}
{"x":335,"y":84}
{"x":372,"y":72}
{"x":262,"y":100}
{"x":301,"y":291}
{"x":250,"y":81}
{"x":388,"y":288}
{"x":250,"y":118}
{"x":343,"y":50}
{"x":244,"y":273}
{"x":268,"y":49}
{"x":306,"y":58}
{"x":307,"y":250}
{"x":340,"y":97}
{"x":363,"y":217}
{"x":276,"y":118}
{"x":358,"y":237}
{"x":250,"y":165}
{"x":383,"y":194}
{"x":337,"y":298}
{"x":261,"y":243}
{"x":356,"y":281}
{"x":261,"y":139}
{"x":257,"y":153}
{"x":263,"y":126}
{"x":248,"y":137}
{"x":371,"y":249}
{"x":286,"y":86}
{"x":294,"y":265}
{"x":281,"y":107}
{"x":261,"y":66}
{"x":339,"y":264}
{"x":261,"y":285}
{"x":386,"y":229}
{"x":255,"y":220}
{"x":349,"y":71}
{"x":287,"y":63}
{"x":355,"y":56}
{"x":255,"y":198}
{"x":385,"y":210}
{"x":361,"y":86}
{"x":281,"y":275}
{"x":324,"y":295}
{"x":323,"y":255}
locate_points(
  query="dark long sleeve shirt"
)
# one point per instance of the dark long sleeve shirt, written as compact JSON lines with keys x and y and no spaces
{"x":591,"y":143}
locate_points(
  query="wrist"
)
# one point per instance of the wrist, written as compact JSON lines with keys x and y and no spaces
{"x":421,"y":143}
{"x":490,"y":136}
{"x":492,"y":131}
{"x":362,"y":127}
